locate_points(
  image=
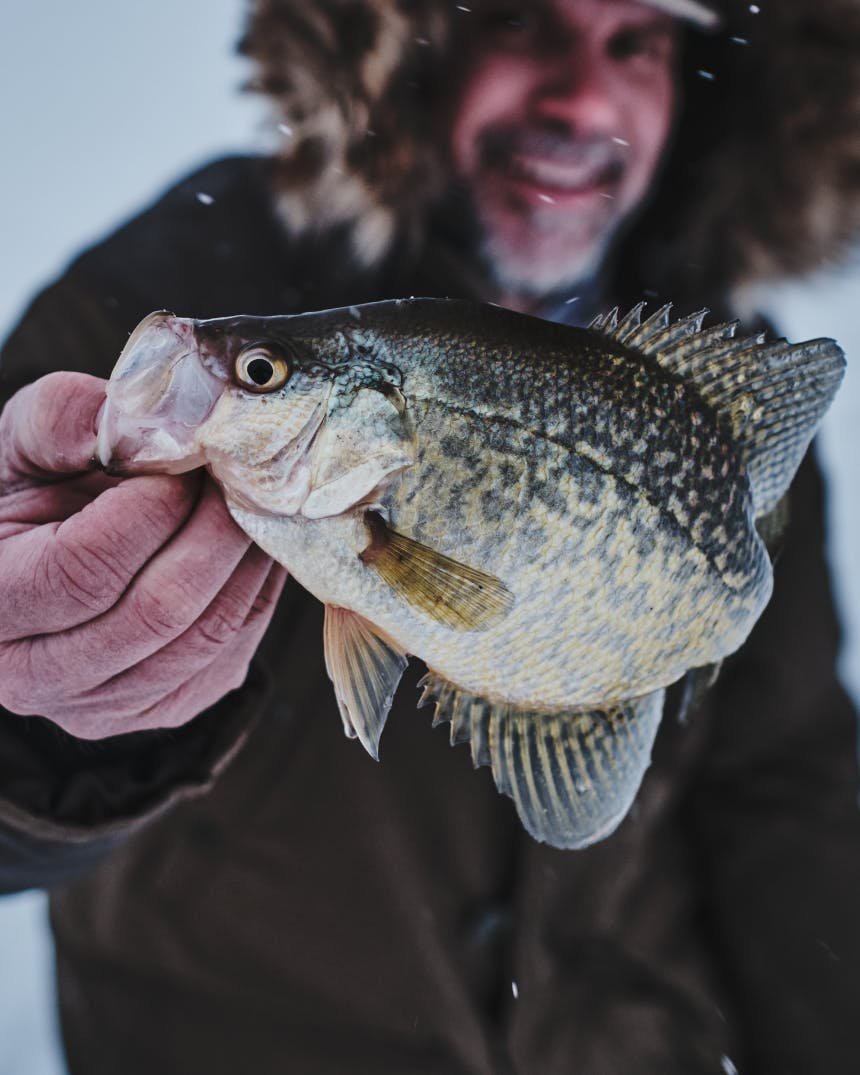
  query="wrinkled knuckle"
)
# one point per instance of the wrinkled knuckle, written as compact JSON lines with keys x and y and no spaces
{"x":160,"y":612}
{"x":160,"y":515}
{"x":84,"y":575}
{"x":219,"y":625}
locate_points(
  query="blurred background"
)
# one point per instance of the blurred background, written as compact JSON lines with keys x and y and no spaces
{"x":105,"y":104}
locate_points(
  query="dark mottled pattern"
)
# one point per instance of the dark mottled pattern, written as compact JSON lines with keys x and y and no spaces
{"x":620,"y":414}
{"x":617,"y":414}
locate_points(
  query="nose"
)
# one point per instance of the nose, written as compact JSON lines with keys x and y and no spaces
{"x":578,"y":87}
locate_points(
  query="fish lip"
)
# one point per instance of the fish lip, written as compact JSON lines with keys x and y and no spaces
{"x":159,"y":393}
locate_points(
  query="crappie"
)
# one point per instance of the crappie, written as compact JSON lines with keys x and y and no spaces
{"x":560,"y":522}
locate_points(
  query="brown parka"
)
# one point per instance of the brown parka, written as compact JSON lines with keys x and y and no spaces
{"x":251,"y":891}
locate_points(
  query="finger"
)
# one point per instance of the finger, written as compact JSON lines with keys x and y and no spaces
{"x":209,"y":642}
{"x":35,"y":505}
{"x":166,"y":597}
{"x":61,"y":575}
{"x":49,"y":428}
{"x":134,"y":702}
{"x":210,"y":685}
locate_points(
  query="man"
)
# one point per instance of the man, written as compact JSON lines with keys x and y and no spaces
{"x":302,"y":908}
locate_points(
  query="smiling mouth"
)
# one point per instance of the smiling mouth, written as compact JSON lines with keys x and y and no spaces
{"x":562,"y":177}
{"x":549,"y":166}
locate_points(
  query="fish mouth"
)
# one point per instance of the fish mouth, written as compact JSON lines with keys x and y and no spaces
{"x":160,"y":392}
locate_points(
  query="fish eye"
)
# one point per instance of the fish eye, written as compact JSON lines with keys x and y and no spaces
{"x":260,"y":370}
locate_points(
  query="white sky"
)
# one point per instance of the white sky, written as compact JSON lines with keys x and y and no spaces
{"x":104,"y":104}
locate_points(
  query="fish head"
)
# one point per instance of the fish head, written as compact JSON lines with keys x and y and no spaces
{"x":288,"y":418}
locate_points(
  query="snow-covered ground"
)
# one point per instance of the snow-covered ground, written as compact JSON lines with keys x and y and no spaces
{"x":103,"y":104}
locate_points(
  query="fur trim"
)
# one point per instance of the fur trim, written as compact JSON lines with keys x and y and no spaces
{"x":763,"y":180}
{"x":347,"y":78}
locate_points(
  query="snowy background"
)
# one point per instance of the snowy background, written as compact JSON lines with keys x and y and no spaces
{"x":104,"y":104}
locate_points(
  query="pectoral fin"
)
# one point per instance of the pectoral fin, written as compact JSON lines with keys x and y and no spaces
{"x":573,"y":776}
{"x":452,"y":593}
{"x":365,"y":670}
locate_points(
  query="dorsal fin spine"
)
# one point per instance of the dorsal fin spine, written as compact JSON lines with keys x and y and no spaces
{"x":679,"y":330}
{"x":692,"y":347}
{"x":630,"y":322}
{"x":773,"y":394}
{"x":656,"y":322}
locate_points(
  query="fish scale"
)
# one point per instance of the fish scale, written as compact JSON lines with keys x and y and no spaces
{"x":560,"y":522}
{"x":607,"y":427}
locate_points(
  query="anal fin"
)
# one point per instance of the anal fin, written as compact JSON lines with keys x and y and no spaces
{"x":573,"y":775}
{"x":365,"y":669}
{"x":696,"y":684}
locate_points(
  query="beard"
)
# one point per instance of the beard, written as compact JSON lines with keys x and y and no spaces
{"x":536,"y":261}
{"x":535,"y":244}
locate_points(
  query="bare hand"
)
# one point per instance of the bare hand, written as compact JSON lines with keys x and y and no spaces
{"x":124,"y":605}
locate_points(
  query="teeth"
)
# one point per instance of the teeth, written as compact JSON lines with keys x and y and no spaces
{"x":562,"y":175}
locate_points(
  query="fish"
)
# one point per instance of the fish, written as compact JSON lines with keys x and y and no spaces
{"x":559,"y":522}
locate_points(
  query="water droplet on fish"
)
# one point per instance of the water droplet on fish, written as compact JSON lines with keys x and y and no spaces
{"x":204,"y":199}
{"x":515,"y":990}
{"x":423,"y":40}
{"x":285,"y":129}
{"x":740,"y":40}
{"x":605,"y":194}
{"x":355,"y":312}
{"x":621,"y":141}
{"x":755,"y":9}
{"x":727,"y":1066}
{"x":547,"y":198}
{"x":709,"y":75}
{"x":575,"y":298}
{"x":462,"y":7}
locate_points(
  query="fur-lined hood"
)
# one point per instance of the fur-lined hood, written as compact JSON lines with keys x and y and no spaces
{"x":763,"y":179}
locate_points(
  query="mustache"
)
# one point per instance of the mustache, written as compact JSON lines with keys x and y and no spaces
{"x":557,"y":143}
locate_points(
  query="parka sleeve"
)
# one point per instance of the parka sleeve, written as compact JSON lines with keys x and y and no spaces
{"x":776,"y":820}
{"x":65,"y":803}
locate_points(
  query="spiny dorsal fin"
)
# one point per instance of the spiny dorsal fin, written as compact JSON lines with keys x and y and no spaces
{"x":452,"y":593}
{"x":364,"y":669}
{"x":774,"y":394}
{"x":573,"y":776}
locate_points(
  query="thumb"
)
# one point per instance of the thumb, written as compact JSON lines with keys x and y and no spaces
{"x":49,"y":428}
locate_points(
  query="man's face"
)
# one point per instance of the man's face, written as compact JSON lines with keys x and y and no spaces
{"x":562,"y":117}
